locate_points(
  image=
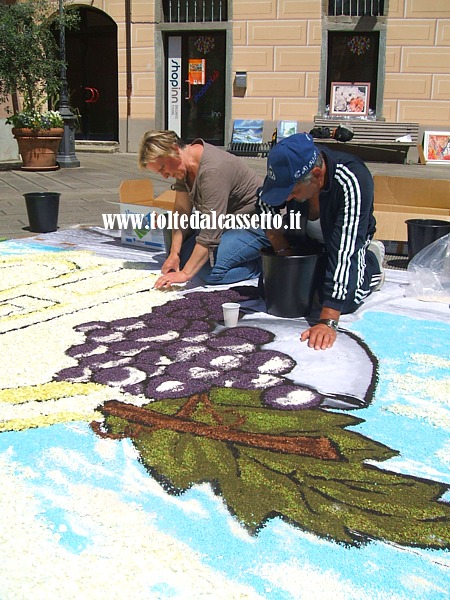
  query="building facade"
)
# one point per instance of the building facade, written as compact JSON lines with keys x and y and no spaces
{"x":196,"y":66}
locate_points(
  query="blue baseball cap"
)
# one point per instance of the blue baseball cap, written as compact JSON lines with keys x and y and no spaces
{"x":290,"y":160}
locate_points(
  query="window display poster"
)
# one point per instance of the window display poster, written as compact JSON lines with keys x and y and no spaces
{"x":196,"y":71}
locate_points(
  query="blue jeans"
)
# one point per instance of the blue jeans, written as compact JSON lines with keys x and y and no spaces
{"x":236,"y":258}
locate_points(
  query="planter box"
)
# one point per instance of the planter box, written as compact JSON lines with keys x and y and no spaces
{"x":137,"y":198}
{"x":400,"y":198}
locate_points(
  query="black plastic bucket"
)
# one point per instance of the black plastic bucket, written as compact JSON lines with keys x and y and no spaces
{"x":42,"y":209}
{"x":422,"y":232}
{"x":289,"y":283}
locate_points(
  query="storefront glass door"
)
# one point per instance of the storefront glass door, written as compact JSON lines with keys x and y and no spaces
{"x":195,"y":76}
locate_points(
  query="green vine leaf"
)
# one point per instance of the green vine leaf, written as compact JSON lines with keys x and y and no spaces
{"x":326,"y":488}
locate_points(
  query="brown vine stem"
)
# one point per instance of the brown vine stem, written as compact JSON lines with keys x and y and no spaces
{"x":317,"y":447}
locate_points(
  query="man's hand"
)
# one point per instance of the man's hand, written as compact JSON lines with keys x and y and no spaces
{"x":320,"y":337}
{"x":168,"y":279}
{"x":288,"y":251}
{"x":277,"y":239}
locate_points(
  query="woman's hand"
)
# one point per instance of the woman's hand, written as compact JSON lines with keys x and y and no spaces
{"x":168,"y":279}
{"x":172,"y":263}
{"x":196,"y":261}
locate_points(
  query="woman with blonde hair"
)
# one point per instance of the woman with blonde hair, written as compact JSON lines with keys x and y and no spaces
{"x":214,"y":183}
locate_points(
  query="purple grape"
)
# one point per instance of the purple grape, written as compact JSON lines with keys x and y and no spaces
{"x":119,"y":376}
{"x":225,"y":361}
{"x":270,"y":362}
{"x":92,"y":326}
{"x":232,"y":344}
{"x":161,"y":388}
{"x":88,"y":349}
{"x":75,"y":374}
{"x":105,"y":336}
{"x":150,"y":363}
{"x":131,"y":348}
{"x":107,"y":362}
{"x":160,"y":325}
{"x":182,"y":351}
{"x":129,"y":324}
{"x":135,"y":389}
{"x":249,"y":381}
{"x":250,"y":334}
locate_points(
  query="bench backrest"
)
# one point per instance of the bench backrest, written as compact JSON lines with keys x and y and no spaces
{"x":376,"y":131}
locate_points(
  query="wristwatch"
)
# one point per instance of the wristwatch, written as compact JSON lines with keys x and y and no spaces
{"x":330,"y":323}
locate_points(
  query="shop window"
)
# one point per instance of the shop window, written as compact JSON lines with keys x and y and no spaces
{"x":353,"y":57}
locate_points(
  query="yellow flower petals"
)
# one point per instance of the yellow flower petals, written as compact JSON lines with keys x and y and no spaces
{"x":47,"y":391}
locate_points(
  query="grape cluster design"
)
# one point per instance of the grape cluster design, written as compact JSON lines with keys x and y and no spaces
{"x":178,"y":350}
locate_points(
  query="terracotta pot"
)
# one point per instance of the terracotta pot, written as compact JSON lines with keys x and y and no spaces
{"x":38,"y":148}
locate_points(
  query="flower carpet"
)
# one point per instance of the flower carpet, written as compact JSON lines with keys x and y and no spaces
{"x":148,"y":452}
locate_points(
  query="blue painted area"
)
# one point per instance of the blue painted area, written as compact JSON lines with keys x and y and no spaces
{"x":396,"y":340}
{"x":385,"y":570}
{"x":376,"y":566}
{"x":19,"y":248}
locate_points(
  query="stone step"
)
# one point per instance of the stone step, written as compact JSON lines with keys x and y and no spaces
{"x":96,"y":146}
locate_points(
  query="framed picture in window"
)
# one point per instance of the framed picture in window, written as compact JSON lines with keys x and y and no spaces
{"x":436,"y":147}
{"x":349,"y":99}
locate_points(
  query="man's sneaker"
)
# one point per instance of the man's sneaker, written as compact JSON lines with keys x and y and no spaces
{"x":379,"y":250}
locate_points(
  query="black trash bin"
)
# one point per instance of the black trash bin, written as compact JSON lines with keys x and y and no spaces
{"x":289,"y":283}
{"x":42,"y":209}
{"x":422,"y":232}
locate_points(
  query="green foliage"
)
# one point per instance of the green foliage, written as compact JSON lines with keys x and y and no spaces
{"x":29,"y":55}
{"x":346,"y":500}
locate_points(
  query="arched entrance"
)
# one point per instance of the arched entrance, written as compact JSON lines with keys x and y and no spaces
{"x":91,"y":54}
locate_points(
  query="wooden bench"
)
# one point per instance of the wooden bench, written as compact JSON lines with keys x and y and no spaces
{"x":373,"y":141}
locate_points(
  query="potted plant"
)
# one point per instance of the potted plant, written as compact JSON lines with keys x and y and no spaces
{"x":30,"y":69}
{"x":38,"y":136}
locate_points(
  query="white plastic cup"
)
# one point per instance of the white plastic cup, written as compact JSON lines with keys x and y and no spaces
{"x":230,"y":313}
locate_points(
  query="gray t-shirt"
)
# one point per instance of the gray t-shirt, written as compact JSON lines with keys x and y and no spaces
{"x":225,"y":184}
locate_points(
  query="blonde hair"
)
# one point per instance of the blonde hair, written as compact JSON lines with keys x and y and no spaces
{"x":157,"y":143}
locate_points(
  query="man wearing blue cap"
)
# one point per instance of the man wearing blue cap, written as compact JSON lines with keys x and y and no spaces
{"x":335,"y":192}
